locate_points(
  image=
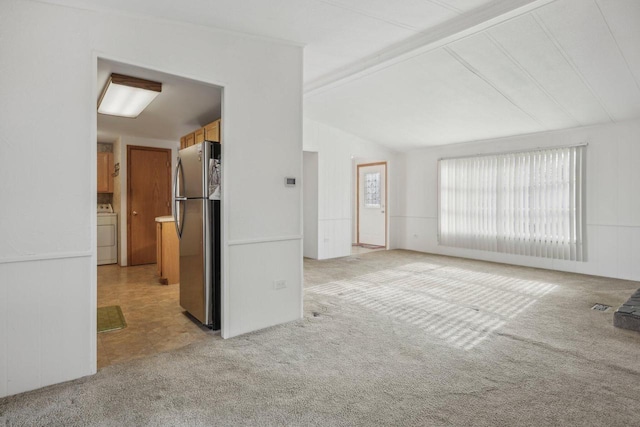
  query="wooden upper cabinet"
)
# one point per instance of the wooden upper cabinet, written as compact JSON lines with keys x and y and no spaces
{"x":199,"y":136}
{"x":105,"y":167}
{"x":212,"y":131}
{"x":189,"y":140}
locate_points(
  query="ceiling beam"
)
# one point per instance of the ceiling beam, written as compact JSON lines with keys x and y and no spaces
{"x":457,"y":28}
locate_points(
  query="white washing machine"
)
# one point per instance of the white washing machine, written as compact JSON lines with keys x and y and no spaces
{"x":107,"y":235}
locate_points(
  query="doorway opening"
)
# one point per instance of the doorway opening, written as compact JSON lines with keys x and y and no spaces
{"x":140,"y":275}
{"x":310,"y":203}
{"x":371,"y":207}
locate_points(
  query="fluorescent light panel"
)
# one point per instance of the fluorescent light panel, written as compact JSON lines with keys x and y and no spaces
{"x":126,"y":96}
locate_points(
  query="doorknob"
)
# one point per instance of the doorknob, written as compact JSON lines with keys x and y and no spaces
{"x":135,"y":213}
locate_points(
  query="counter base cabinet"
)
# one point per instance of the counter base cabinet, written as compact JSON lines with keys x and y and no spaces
{"x":168,"y":251}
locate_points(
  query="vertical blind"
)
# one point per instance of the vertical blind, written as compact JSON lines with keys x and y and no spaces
{"x":526,"y":203}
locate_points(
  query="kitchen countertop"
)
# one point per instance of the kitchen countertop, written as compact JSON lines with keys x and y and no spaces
{"x":167,"y":218}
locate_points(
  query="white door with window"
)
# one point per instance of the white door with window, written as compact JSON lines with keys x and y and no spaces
{"x":372,"y":217}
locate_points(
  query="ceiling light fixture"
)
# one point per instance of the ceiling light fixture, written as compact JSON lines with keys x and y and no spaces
{"x":126,"y":96}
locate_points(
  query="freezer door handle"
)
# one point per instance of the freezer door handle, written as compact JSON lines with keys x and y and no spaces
{"x":178,"y":180}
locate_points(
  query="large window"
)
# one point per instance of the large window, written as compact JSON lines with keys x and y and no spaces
{"x":527,"y":203}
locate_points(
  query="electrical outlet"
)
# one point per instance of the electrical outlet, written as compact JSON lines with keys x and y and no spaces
{"x":279,"y":284}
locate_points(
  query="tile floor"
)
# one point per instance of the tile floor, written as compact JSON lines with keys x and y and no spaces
{"x":155,"y":320}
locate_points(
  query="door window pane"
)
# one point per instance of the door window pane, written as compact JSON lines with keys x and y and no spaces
{"x":372,"y":190}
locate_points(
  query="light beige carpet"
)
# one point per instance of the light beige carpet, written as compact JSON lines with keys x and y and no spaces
{"x":388,"y":338}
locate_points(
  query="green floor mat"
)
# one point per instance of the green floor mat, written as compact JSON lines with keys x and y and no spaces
{"x":110,"y":319}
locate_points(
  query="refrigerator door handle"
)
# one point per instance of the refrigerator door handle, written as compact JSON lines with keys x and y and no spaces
{"x":178,"y":179}
{"x":178,"y":216}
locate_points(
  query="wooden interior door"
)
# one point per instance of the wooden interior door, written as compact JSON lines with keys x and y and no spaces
{"x":148,"y":196}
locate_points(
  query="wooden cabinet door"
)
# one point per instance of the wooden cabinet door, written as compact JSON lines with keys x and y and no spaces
{"x":159,"y":248}
{"x":170,"y":254}
{"x":189,"y":140}
{"x":105,"y":166}
{"x":199,"y":135}
{"x":212,"y":131}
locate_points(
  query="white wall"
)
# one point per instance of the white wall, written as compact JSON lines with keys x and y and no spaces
{"x":310,"y":204}
{"x":125,"y":141}
{"x":336,"y":151}
{"x":613,"y":198}
{"x":48,"y":262}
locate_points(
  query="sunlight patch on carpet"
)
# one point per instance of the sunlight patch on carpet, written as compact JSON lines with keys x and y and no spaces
{"x":459,"y":306}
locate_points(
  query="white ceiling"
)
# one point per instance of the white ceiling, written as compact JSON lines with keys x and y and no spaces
{"x":183,"y":106}
{"x":566,"y":64}
{"x":417,"y":73}
{"x":336,"y":33}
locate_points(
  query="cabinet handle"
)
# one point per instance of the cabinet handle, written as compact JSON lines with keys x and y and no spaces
{"x":135,"y":213}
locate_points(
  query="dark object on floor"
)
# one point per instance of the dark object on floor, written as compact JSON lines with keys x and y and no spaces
{"x":110,"y":319}
{"x":366,"y":246}
{"x":628,"y":315}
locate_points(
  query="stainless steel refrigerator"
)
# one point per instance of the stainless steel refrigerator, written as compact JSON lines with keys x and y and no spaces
{"x":197,"y":219}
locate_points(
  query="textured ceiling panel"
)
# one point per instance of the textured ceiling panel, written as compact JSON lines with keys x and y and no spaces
{"x":568,"y":63}
{"x":429,"y":100}
{"x":493,"y":64}
{"x":623,"y":17}
{"x":583,"y":34}
{"x":415,"y":15}
{"x":463,"y":5}
{"x":527,"y":43}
